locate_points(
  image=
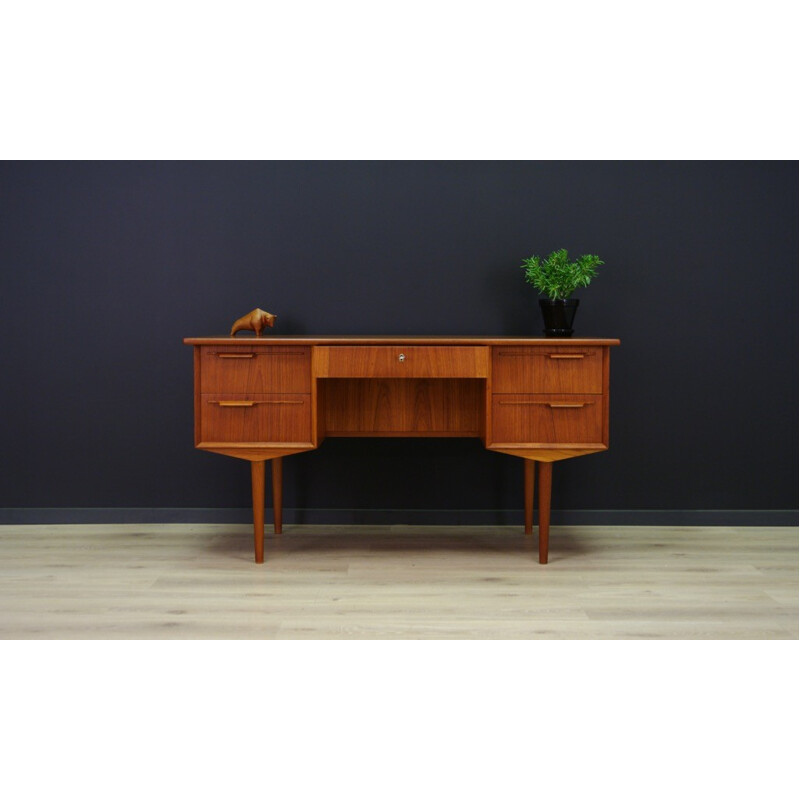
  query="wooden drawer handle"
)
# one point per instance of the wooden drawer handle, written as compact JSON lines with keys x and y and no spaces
{"x":266,"y":353}
{"x":542,"y":403}
{"x":251,"y":403}
{"x":549,"y":355}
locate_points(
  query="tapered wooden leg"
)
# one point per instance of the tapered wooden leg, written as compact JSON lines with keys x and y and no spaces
{"x":545,"y":484}
{"x":257,"y":476}
{"x":530,"y":467}
{"x":277,"y":493}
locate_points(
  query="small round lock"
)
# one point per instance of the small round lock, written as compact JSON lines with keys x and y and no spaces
{"x":401,"y":357}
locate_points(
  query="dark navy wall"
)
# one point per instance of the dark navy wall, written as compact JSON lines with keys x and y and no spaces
{"x":104,"y":267}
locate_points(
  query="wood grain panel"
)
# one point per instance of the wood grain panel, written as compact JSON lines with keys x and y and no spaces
{"x":548,"y":419}
{"x":547,"y":369}
{"x":453,"y":406}
{"x":255,"y":418}
{"x":363,"y":405}
{"x":247,"y":370}
{"x":402,"y":361}
{"x":606,"y":392}
{"x":196,"y":358}
{"x":415,"y":407}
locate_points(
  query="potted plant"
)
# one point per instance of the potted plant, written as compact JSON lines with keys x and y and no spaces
{"x":558,"y":277}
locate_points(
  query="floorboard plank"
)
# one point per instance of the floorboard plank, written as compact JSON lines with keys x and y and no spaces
{"x":397,"y":582}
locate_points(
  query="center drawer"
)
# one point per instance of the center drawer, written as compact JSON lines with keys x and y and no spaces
{"x":400,"y":361}
{"x":245,"y":370}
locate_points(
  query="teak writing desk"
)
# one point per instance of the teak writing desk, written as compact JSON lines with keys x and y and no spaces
{"x":263,"y":398}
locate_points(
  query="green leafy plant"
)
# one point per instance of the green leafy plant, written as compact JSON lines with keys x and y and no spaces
{"x":557,"y":276}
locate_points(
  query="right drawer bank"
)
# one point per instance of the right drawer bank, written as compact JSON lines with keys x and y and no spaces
{"x":549,"y":395}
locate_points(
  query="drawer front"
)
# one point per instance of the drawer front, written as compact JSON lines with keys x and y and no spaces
{"x":547,"y":369}
{"x":547,"y":419}
{"x":257,"y":418}
{"x":246,"y":370}
{"x":399,"y":361}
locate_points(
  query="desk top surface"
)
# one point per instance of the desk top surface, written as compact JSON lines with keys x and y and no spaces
{"x":271,"y":339}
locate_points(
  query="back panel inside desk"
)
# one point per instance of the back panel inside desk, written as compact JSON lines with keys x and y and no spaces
{"x":104,"y":267}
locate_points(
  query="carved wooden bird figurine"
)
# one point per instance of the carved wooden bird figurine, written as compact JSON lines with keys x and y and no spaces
{"x":256,"y":321}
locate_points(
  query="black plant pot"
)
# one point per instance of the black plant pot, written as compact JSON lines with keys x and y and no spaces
{"x":558,"y":316}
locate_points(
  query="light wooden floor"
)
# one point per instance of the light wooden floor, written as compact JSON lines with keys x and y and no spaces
{"x":397,"y":582}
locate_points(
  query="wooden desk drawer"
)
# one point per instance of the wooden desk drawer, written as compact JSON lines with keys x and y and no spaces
{"x":547,"y":419}
{"x":246,"y":370}
{"x":255,"y":418}
{"x":400,"y":361}
{"x":547,"y":369}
